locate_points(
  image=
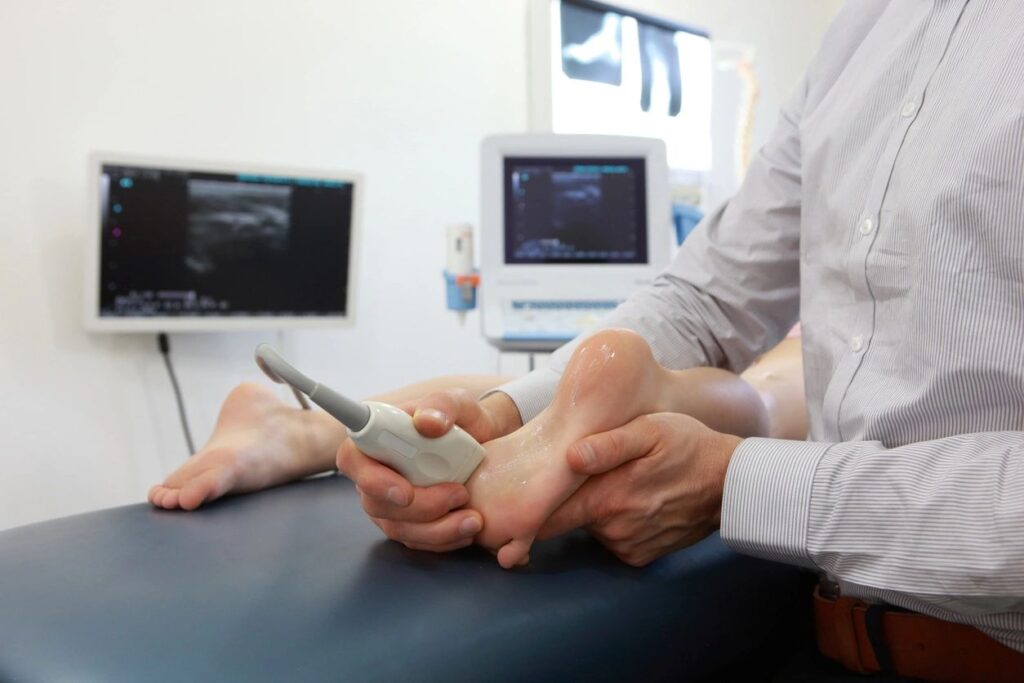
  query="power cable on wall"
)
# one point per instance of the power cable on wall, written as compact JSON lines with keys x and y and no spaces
{"x":165,"y":349}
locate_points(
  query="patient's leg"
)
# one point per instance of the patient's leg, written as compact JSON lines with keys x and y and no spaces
{"x":260,"y":442}
{"x":779,"y":377}
{"x":611,"y":379}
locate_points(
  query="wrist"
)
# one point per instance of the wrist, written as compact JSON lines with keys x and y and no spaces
{"x":719,"y":449}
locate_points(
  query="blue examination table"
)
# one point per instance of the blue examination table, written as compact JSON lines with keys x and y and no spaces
{"x":295,"y":584}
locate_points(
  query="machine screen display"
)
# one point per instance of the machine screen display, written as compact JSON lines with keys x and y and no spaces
{"x":187,"y":243}
{"x":575,"y":210}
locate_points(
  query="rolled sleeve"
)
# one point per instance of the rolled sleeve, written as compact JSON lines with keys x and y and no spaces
{"x":531,"y":393}
{"x":767,"y":499}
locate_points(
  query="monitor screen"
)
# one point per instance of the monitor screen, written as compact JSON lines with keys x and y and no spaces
{"x":575,"y":210}
{"x":183,"y":243}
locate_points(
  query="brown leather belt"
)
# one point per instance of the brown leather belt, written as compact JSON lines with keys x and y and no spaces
{"x":874,"y":638}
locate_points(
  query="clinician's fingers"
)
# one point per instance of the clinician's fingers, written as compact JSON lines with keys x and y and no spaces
{"x":450,"y":530}
{"x":578,"y":511}
{"x":428,"y":504}
{"x":641,"y":552}
{"x":603,"y":452}
{"x":373,"y":478}
{"x":464,"y":543}
{"x":431,"y":422}
{"x":435,"y":414}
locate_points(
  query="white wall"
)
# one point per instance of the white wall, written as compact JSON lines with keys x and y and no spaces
{"x":401,"y":90}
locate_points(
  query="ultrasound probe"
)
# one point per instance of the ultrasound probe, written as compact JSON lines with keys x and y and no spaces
{"x":382,"y":431}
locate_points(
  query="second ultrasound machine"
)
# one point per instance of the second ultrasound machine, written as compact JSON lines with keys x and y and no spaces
{"x":571,"y":225}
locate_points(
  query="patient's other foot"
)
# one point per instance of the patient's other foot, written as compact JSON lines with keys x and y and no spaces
{"x":610,"y":379}
{"x":258,"y":442}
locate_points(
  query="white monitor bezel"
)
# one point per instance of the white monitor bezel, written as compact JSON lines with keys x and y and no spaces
{"x":94,"y":322}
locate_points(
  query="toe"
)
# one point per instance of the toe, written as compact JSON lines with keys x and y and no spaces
{"x":515,"y":553}
{"x":206,"y":487}
{"x":170,"y":499}
{"x":158,"y":496}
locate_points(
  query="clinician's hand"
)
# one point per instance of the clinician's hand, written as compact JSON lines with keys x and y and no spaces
{"x":429,"y":518}
{"x":655,"y":486}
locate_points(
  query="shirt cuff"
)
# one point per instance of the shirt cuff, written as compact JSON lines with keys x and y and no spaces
{"x":531,"y":393}
{"x":767,"y":499}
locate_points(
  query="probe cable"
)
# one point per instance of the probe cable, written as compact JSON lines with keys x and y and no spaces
{"x":165,"y":349}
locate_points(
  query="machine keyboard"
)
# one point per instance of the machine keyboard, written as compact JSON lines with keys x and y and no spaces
{"x":548,"y":320}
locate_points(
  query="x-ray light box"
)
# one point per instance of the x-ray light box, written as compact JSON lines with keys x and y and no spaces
{"x":600,"y":69}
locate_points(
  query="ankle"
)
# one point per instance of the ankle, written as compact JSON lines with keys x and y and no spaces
{"x":315,"y":438}
{"x":503,"y":411}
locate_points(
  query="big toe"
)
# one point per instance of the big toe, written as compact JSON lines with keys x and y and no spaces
{"x":515,"y":553}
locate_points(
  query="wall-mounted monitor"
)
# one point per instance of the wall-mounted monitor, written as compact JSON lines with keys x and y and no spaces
{"x":602,"y":69}
{"x":179,"y":246}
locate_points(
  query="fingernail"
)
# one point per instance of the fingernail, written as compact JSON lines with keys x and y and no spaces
{"x":433,"y":414}
{"x":397,"y":496}
{"x":469,"y":526}
{"x":458,"y":499}
{"x":586,"y":453}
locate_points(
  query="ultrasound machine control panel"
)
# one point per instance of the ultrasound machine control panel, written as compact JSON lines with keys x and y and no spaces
{"x":571,"y":225}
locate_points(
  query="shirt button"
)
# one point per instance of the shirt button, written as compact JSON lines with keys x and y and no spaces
{"x":866,"y":226}
{"x":908,"y":109}
{"x":857,"y":343}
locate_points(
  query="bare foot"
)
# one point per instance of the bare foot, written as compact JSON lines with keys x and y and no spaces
{"x":258,"y":442}
{"x":610,"y":379}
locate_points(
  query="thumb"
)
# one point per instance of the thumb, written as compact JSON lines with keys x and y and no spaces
{"x":603,"y":452}
{"x":436,"y":413}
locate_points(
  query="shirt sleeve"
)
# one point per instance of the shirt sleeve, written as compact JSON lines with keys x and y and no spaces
{"x":941,"y":521}
{"x":732,"y":290}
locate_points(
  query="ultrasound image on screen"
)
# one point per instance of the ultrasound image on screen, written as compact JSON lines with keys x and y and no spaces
{"x":575,"y":210}
{"x":180,"y":243}
{"x":228,"y":219}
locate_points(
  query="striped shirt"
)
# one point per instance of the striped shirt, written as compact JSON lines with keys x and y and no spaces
{"x":886,"y":214}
